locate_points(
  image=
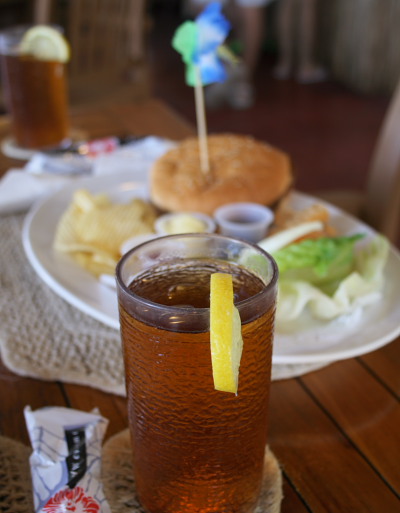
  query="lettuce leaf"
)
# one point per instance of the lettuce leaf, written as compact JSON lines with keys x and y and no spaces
{"x":361,"y":286}
{"x":323,"y":262}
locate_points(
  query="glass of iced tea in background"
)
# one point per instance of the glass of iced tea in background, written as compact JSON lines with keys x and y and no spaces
{"x":195,"y":449}
{"x":35,"y":91}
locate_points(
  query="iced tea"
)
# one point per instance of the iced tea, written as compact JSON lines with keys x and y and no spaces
{"x":36,"y":97}
{"x":195,"y":449}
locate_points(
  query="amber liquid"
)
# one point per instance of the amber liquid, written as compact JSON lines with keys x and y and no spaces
{"x":36,"y":96}
{"x":196,"y":450}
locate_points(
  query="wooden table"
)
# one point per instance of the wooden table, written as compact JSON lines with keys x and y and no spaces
{"x":335,"y":432}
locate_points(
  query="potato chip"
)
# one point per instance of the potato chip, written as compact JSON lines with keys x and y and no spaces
{"x":92,"y":229}
{"x":86,"y":201}
{"x":110,"y":226}
{"x":91,"y":263}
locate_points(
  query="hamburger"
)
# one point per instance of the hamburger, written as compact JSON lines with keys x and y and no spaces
{"x":240,"y":169}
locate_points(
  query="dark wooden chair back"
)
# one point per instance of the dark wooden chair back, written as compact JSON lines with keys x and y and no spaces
{"x":382,"y":199}
{"x":379,"y":204}
{"x":108,"y":46}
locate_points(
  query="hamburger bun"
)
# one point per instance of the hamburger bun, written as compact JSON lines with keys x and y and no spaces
{"x":241,"y":169}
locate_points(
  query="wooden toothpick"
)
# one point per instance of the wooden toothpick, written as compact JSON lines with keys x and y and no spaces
{"x":201,"y":123}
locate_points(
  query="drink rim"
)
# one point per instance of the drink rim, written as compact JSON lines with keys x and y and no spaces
{"x":193,"y":310}
{"x":11,"y":36}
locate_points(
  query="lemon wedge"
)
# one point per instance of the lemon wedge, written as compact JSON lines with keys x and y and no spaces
{"x":45,"y":43}
{"x":225,"y":334}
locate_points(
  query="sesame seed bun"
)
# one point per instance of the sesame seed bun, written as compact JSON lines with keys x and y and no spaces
{"x":241,"y":169}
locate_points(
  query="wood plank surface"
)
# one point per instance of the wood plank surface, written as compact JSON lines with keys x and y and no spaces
{"x":361,"y":407}
{"x":16,"y":392}
{"x":385,"y":364}
{"x":111,"y":406}
{"x":148,"y":118}
{"x":319,"y":458}
{"x":292,"y":502}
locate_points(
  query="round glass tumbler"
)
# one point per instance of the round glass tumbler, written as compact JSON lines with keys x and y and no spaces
{"x":35,"y":93}
{"x":195,"y":449}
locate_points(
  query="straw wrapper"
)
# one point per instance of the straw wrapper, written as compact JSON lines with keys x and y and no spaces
{"x":66,"y":460}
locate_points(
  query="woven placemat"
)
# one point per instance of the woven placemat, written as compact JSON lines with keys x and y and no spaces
{"x":117,"y":478}
{"x":119,"y":485}
{"x":42,"y":336}
{"x":15,"y":477}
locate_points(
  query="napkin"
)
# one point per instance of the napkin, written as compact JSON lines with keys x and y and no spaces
{"x":45,"y":173}
{"x":19,"y":189}
{"x":135,"y":157}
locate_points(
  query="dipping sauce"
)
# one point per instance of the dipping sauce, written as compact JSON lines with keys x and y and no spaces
{"x":185,"y":222}
{"x":247,"y":221}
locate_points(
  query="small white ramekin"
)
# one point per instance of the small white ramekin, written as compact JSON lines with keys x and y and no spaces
{"x":247,"y":221}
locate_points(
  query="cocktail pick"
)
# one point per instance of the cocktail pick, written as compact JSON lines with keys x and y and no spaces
{"x":198,"y":42}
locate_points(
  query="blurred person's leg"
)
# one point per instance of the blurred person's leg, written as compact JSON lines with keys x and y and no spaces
{"x":308,"y":70}
{"x":285,"y":35}
{"x":296,"y":27}
{"x":250,"y":24}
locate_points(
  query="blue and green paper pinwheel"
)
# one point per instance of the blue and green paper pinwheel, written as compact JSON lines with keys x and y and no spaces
{"x":198,"y":42}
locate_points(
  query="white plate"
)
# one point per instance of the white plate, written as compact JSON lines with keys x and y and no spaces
{"x":308,"y":341}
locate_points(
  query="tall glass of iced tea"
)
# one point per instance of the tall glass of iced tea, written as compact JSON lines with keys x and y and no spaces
{"x":35,"y":91}
{"x":195,"y":449}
